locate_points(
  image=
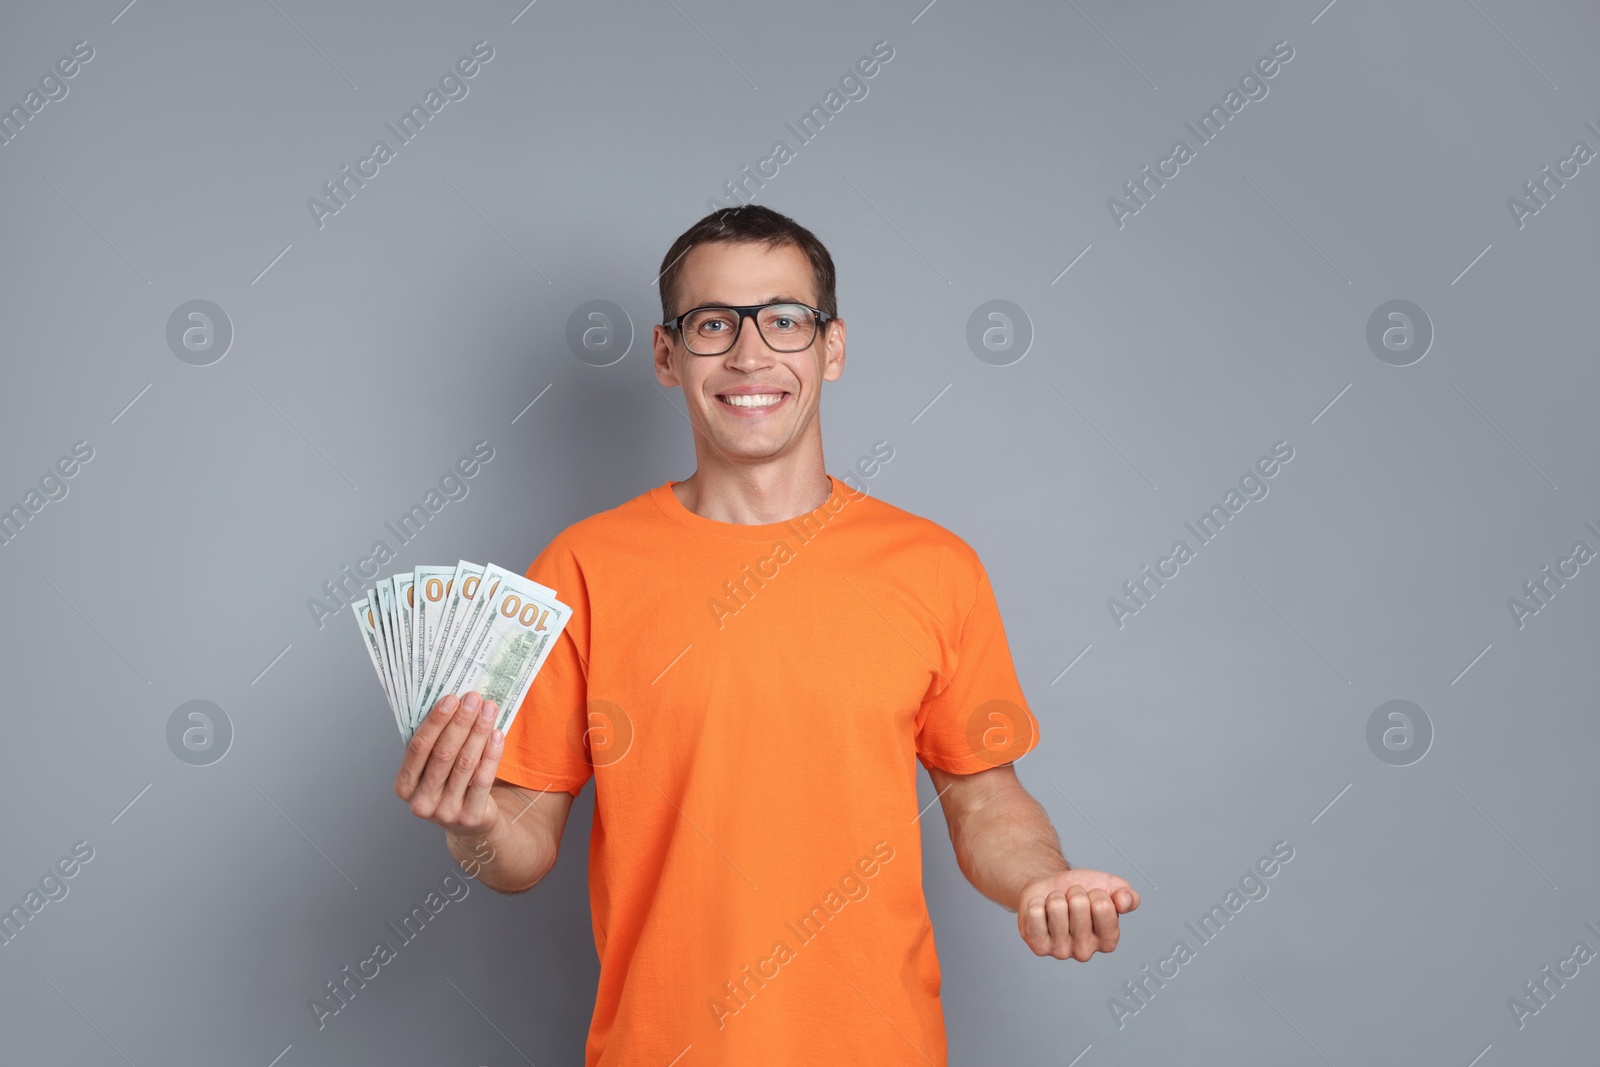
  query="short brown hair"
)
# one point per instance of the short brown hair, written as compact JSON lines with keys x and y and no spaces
{"x":749,"y":223}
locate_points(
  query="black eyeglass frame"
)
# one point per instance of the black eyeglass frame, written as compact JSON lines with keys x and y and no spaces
{"x":745,"y":311}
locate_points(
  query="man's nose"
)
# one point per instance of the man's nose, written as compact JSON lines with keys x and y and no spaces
{"x":749,"y":348}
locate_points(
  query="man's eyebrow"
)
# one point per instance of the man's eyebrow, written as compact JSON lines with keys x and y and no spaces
{"x":776,"y":298}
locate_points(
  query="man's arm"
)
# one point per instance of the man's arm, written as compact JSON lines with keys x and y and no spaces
{"x":504,"y":835}
{"x":1009,"y":851}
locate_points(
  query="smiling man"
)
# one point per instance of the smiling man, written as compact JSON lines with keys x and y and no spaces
{"x":755,"y":864}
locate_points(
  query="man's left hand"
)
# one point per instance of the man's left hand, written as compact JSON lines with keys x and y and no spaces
{"x":1074,"y":913}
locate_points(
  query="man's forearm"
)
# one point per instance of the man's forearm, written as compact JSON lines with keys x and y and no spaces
{"x":1005,"y":843}
{"x":515,"y":854}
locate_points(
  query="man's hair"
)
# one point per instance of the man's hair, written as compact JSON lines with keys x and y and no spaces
{"x":748,"y":223}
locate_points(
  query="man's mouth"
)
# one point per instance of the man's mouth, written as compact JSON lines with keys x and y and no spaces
{"x":752,"y":402}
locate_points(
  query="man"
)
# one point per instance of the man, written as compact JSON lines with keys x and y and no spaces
{"x":758,"y":658}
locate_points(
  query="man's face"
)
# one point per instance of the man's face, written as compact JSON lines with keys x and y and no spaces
{"x":780,"y":390}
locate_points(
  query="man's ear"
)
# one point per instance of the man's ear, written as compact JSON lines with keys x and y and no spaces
{"x":661,"y":354}
{"x":833,"y":348}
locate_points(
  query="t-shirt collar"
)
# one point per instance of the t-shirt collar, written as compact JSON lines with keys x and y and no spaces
{"x":673,"y":508}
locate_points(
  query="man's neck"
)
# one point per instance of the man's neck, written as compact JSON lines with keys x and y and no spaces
{"x":757,"y":494}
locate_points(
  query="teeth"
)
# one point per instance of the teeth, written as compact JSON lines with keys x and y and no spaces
{"x":752,"y":400}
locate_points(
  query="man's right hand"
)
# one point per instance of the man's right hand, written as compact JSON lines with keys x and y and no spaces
{"x":450,"y":765}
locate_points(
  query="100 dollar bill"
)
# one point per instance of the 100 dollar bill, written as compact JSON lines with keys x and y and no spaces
{"x":514,"y":630}
{"x":433,"y":586}
{"x":441,"y":630}
{"x":366,"y":619}
{"x":463,"y":590}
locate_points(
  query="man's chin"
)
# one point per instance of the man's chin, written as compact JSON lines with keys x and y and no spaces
{"x":749,"y":452}
{"x":769,"y":442}
{"x":745,"y":442}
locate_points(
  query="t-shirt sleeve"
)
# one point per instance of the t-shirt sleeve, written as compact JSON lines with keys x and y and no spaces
{"x":975,"y":715}
{"x":544,"y":748}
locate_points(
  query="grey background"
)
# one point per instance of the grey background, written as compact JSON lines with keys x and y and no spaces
{"x":1229,"y":314}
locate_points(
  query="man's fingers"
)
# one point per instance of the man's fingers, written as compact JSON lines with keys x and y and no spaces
{"x":1059,"y":916}
{"x":1106,"y":931}
{"x":452,"y":803}
{"x":421,"y":746}
{"x":477,"y":798}
{"x":425,"y":800}
{"x":1081,"y":938}
{"x":1076,"y":921}
{"x":1034,"y":926}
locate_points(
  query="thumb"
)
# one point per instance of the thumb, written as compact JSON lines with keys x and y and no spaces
{"x":1125,"y":900}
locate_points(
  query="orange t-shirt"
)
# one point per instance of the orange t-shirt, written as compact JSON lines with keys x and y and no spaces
{"x":750,"y":701}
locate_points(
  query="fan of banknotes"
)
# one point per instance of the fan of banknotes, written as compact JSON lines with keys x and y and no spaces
{"x":468,"y":628}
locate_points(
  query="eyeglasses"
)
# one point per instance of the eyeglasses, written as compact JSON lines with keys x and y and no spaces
{"x":712,"y":330}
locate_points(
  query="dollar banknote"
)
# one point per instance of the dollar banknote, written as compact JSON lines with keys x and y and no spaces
{"x":366,"y":619}
{"x":463,"y":592}
{"x":432,"y":585}
{"x":513,"y":630}
{"x":403,"y":603}
{"x":440,"y":630}
{"x":383,"y":600}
